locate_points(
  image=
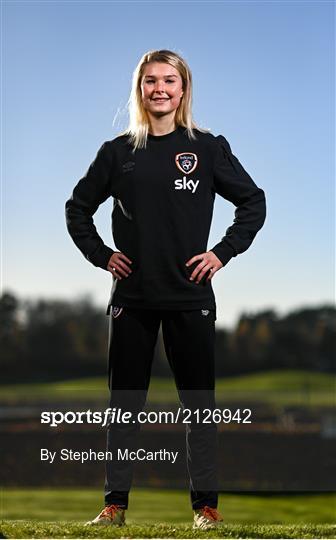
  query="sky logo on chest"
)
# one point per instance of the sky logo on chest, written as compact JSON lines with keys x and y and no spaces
{"x":187,"y":163}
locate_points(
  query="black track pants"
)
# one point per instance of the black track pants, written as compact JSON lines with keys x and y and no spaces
{"x":189,"y":344}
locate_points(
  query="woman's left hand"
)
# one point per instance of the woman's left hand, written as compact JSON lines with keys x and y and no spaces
{"x":208,"y":262}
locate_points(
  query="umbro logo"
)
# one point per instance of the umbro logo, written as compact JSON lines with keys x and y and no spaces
{"x":205,"y":312}
{"x":128,"y":166}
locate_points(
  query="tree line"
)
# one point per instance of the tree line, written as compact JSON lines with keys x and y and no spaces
{"x":43,"y":340}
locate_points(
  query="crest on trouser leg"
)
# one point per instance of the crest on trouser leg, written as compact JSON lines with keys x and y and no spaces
{"x":116,"y":311}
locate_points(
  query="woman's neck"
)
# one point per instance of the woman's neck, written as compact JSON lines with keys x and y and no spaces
{"x":162,"y":125}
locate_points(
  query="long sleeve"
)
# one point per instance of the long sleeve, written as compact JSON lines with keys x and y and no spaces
{"x":91,"y":191}
{"x":232,"y":182}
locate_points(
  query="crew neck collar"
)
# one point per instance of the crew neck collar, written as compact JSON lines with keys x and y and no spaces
{"x":166,"y":136}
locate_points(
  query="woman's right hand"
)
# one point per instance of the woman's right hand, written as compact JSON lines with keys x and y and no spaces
{"x":118,"y":266}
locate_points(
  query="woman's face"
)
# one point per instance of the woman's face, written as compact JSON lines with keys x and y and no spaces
{"x":161,"y":88}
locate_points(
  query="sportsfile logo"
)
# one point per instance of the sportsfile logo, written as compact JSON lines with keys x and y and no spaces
{"x":187,"y":163}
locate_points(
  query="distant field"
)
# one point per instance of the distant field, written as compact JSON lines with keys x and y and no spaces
{"x":153,"y":513}
{"x":276,"y":387}
{"x":152,"y":505}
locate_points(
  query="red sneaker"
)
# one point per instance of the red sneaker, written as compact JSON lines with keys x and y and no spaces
{"x":206,"y":518}
{"x":111,"y":515}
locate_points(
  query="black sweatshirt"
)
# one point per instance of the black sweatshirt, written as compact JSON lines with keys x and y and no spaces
{"x":163,"y":204}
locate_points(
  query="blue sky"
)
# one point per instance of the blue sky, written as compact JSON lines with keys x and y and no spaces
{"x":263,"y":77}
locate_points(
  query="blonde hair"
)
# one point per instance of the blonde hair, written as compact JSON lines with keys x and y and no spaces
{"x":138,"y":118}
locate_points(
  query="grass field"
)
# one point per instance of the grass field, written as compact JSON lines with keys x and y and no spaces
{"x":282,"y":387}
{"x":162,"y":530}
{"x":58,"y":513}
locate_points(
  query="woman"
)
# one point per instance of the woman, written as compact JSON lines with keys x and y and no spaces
{"x":163,"y":173}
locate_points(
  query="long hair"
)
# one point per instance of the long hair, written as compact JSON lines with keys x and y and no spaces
{"x":138,"y":118}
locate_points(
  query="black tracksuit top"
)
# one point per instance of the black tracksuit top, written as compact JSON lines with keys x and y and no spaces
{"x":163,"y":204}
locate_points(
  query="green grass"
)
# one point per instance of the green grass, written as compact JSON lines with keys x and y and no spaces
{"x":36,"y":513}
{"x":282,"y":387}
{"x":161,"y":530}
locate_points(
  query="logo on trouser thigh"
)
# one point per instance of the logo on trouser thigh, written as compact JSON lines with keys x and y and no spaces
{"x":116,"y":311}
{"x":205,"y":312}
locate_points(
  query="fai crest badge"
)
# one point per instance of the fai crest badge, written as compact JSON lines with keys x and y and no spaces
{"x":116,"y":311}
{"x":186,"y":162}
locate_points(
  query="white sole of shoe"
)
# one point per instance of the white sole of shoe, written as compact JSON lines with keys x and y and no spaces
{"x":204,"y":528}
